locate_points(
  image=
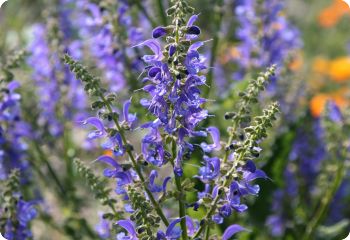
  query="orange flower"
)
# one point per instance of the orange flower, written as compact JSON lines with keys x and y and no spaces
{"x":339,"y":69}
{"x":318,"y":102}
{"x":296,"y":63}
{"x":332,"y":14}
{"x":108,"y":152}
{"x":320,"y":65}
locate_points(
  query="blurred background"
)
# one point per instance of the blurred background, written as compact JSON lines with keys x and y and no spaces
{"x":316,"y":70}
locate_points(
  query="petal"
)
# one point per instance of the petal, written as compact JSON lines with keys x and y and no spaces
{"x":172,"y":50}
{"x":171,"y":226}
{"x":231,"y":230}
{"x":215,"y":135}
{"x":96,"y":122}
{"x":156,"y":49}
{"x":195,"y":46}
{"x":192,"y":19}
{"x":194,"y":30}
{"x":126,"y":110}
{"x":190,"y":226}
{"x":128,"y":226}
{"x":257,"y":174}
{"x":13,"y":85}
{"x":153,"y":176}
{"x":159,"y":32}
{"x":109,"y":160}
{"x":165,"y":182}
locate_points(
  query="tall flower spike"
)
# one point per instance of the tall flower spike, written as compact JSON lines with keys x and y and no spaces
{"x":173,"y":75}
{"x":109,"y":31}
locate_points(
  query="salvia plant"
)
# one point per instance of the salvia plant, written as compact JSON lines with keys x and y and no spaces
{"x":169,"y":119}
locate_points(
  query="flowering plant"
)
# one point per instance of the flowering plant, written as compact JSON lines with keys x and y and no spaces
{"x":197,"y":128}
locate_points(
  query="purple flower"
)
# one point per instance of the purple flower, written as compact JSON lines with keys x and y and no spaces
{"x":103,"y":228}
{"x":98,"y":124}
{"x":159,"y":32}
{"x":129,"y":119}
{"x":334,"y":112}
{"x":210,"y":170}
{"x":232,"y":230}
{"x":172,"y":231}
{"x":215,"y":135}
{"x":156,"y":49}
{"x":115,"y":144}
{"x":152,"y":186}
{"x":130,"y":228}
{"x":111,"y":54}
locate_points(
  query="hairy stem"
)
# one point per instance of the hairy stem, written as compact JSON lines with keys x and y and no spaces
{"x":43,"y":158}
{"x":182,"y":198}
{"x":324,"y":203}
{"x":134,"y":163}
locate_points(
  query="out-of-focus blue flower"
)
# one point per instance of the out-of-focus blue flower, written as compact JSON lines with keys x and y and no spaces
{"x":13,"y":132}
{"x":25,"y":213}
{"x":109,"y":45}
{"x":60,"y":93}
{"x":103,"y":228}
{"x":266,"y":36}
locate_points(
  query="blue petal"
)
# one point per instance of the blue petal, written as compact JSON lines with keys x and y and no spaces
{"x":231,"y":230}
{"x":128,"y":226}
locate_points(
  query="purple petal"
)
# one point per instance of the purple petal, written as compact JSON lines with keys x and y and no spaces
{"x":109,"y":160}
{"x":96,"y":122}
{"x":159,"y":32}
{"x":231,"y":230}
{"x":165,"y":182}
{"x":334,"y":112}
{"x":194,"y":30}
{"x":13,"y":85}
{"x":153,"y":176}
{"x":172,"y":50}
{"x":156,"y":49}
{"x":257,"y":174}
{"x":192,"y":19}
{"x":195,"y":46}
{"x":171,"y":226}
{"x":191,"y":229}
{"x":126,"y":110}
{"x":128,"y":226}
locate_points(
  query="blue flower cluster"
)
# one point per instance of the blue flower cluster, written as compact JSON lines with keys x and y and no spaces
{"x":60,"y":93}
{"x":108,"y":32}
{"x":14,"y":131}
{"x":265,"y":34}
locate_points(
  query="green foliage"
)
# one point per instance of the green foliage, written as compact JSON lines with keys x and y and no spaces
{"x":10,"y":63}
{"x":91,"y":83}
{"x":9,"y":199}
{"x":99,"y":189}
{"x":144,"y":216}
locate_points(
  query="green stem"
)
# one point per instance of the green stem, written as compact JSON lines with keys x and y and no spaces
{"x":217,"y":26}
{"x":161,"y":10}
{"x":207,"y":233}
{"x":43,"y":158}
{"x":218,"y":196}
{"x":134,"y":163}
{"x":325,"y":201}
{"x":182,"y":208}
{"x":181,"y":198}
